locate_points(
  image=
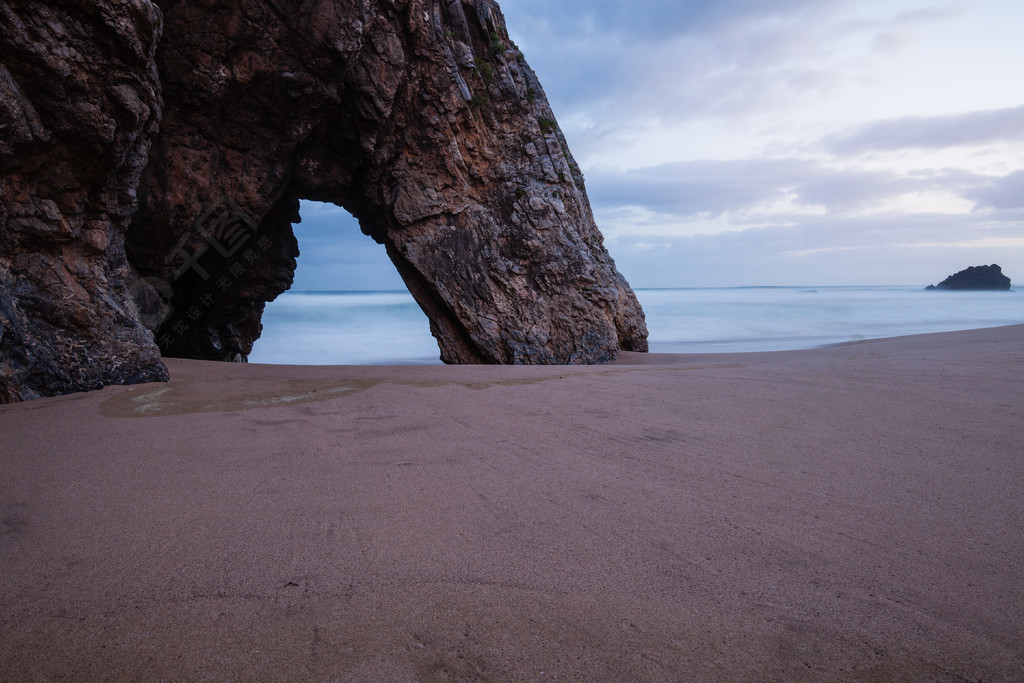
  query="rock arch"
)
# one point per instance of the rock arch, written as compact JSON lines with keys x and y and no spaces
{"x":155,"y":153}
{"x":422,"y":120}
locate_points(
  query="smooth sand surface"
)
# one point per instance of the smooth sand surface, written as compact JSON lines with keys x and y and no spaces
{"x":848,"y":513}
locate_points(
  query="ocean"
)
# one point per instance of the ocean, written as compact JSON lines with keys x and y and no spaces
{"x":369,"y":328}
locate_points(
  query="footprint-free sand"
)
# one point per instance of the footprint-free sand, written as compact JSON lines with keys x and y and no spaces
{"x":850,"y":512}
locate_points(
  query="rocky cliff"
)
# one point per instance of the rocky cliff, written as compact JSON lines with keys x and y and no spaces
{"x":421,"y":118}
{"x":79,"y":104}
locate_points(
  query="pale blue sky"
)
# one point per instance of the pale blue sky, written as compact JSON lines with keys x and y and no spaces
{"x":791,"y":142}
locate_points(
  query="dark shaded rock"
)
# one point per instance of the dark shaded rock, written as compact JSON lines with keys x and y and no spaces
{"x":975,"y":277}
{"x":420,"y":118}
{"x":79,"y":100}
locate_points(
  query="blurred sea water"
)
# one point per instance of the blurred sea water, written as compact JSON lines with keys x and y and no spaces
{"x":365,"y":328}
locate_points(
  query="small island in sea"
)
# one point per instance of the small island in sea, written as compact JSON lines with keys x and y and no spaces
{"x":976,"y":278}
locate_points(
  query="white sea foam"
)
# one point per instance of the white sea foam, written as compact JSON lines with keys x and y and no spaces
{"x":318,"y":328}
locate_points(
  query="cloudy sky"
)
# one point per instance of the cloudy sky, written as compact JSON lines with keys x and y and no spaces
{"x":770,"y":142}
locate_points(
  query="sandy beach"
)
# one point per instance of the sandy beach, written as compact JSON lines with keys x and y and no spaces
{"x":853,"y":512}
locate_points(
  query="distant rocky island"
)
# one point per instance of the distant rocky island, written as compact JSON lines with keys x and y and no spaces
{"x":976,"y":278}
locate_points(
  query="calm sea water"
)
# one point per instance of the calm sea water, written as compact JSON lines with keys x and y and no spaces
{"x":327,"y":328}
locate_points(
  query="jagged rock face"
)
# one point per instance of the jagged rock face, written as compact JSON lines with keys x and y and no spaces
{"x":976,"y":278}
{"x":420,"y":118}
{"x":79,"y":100}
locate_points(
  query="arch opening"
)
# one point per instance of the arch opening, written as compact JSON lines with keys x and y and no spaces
{"x":347,"y":304}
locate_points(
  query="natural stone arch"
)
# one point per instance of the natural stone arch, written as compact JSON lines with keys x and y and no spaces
{"x":419,"y":118}
{"x":152,"y":156}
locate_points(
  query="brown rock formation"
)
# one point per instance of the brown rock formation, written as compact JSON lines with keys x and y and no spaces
{"x":79,"y":100}
{"x":419,"y":117}
{"x":424,"y":121}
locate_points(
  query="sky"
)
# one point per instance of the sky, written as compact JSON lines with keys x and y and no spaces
{"x":769,"y":142}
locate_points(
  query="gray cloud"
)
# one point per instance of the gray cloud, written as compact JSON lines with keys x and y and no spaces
{"x":688,"y":189}
{"x":621,"y":62}
{"x":972,"y":128}
{"x":666,"y":59}
{"x":810,"y":250}
{"x":1006,"y":192}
